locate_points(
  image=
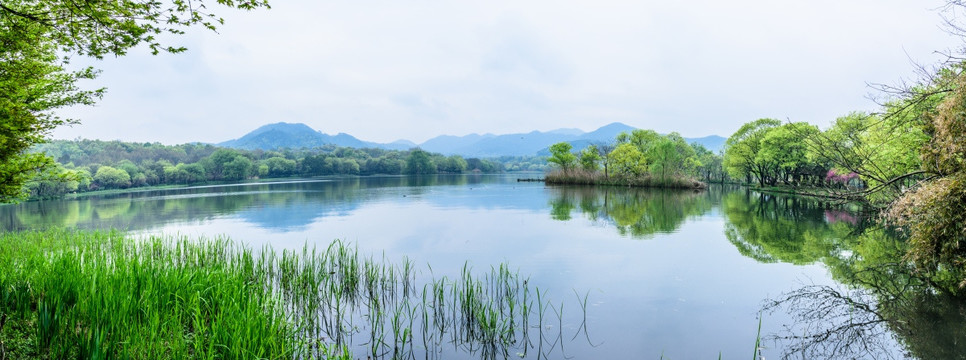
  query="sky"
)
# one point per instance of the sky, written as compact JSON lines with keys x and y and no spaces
{"x":383,"y":70}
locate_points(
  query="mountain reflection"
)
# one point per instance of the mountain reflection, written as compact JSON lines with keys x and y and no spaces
{"x":281,"y":206}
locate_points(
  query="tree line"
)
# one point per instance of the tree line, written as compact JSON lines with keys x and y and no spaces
{"x":866,"y":155}
{"x":87,"y":165}
{"x":908,"y":160}
{"x":639,"y":157}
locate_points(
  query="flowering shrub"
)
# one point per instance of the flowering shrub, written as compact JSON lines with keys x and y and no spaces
{"x":834,"y":177}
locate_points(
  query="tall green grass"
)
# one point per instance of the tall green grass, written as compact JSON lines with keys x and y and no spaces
{"x":105,"y":295}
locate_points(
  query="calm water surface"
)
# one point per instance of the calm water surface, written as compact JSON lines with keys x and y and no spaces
{"x":672,"y":273}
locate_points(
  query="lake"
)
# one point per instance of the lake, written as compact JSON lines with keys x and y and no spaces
{"x":678,"y":274}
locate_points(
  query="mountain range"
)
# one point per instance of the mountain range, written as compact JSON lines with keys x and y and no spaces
{"x":298,"y":135}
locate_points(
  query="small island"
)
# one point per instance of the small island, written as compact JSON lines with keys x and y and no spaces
{"x":641,"y":158}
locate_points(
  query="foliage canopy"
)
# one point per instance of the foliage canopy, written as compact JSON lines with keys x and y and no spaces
{"x":36,"y":41}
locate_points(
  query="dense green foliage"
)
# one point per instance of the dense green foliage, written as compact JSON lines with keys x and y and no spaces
{"x":36,"y":41}
{"x":102,"y":295}
{"x":561,"y":155}
{"x":638,"y":158}
{"x":933,"y":215}
{"x":108,"y":28}
{"x":769,"y":153}
{"x":910,"y":160}
{"x":84,"y":165}
{"x":33,"y":83}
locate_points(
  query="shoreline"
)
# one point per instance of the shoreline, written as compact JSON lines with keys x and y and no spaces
{"x":597,"y":179}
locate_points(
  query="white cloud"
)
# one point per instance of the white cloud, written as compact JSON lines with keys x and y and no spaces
{"x":383,"y":70}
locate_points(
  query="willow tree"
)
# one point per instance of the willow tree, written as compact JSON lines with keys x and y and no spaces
{"x":934,"y":214}
{"x":743,"y":146}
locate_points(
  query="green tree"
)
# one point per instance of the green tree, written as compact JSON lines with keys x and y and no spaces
{"x":709,"y":165}
{"x":280,"y":167}
{"x":665,"y":158}
{"x":560,"y":154}
{"x":485,"y":166}
{"x":112,"y":178}
{"x":56,"y":181}
{"x":419,"y":162}
{"x":742,"y":147}
{"x":670,"y":156}
{"x":627,"y":160}
{"x":643,"y":140}
{"x":238,"y":168}
{"x":192,"y":173}
{"x":783,"y":150}
{"x":96,"y":29}
{"x":388,"y":165}
{"x":877,"y":149}
{"x":452,"y":164}
{"x":33,"y":83}
{"x":348,"y":167}
{"x":314,"y":165}
{"x":215,"y":164}
{"x":36,"y":40}
{"x":590,"y":158}
{"x":603,"y":152}
{"x":933,"y":216}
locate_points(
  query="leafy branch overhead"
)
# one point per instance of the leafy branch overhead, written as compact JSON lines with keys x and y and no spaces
{"x":37,"y":39}
{"x":97,"y":28}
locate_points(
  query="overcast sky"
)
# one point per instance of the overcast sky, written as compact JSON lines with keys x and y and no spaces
{"x":388,"y":70}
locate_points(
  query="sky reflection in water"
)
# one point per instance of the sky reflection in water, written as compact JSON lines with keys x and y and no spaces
{"x":683,"y":274}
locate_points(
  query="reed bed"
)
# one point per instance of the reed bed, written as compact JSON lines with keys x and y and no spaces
{"x":584,"y":177}
{"x":105,"y":295}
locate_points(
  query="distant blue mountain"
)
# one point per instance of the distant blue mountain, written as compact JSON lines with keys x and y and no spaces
{"x":286,"y":135}
{"x":714,"y":143}
{"x":279,"y":135}
{"x":521,"y":144}
{"x":397,"y":145}
{"x":571,"y":131}
{"x":607,"y":133}
{"x":449,"y":144}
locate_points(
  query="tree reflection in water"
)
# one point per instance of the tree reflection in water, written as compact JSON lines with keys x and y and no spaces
{"x":634,"y":212}
{"x":867,"y":322}
{"x":884,"y":309}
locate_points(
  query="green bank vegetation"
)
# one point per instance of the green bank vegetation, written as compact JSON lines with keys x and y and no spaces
{"x":639,"y":158}
{"x":883,"y":299}
{"x":89,"y":165}
{"x":97,"y":295}
{"x":907,"y":162}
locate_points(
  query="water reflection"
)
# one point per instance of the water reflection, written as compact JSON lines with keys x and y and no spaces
{"x":280,"y":206}
{"x":796,"y":230}
{"x":881,"y":307}
{"x":882,"y":310}
{"x":732,"y":248}
{"x":634,"y":212}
